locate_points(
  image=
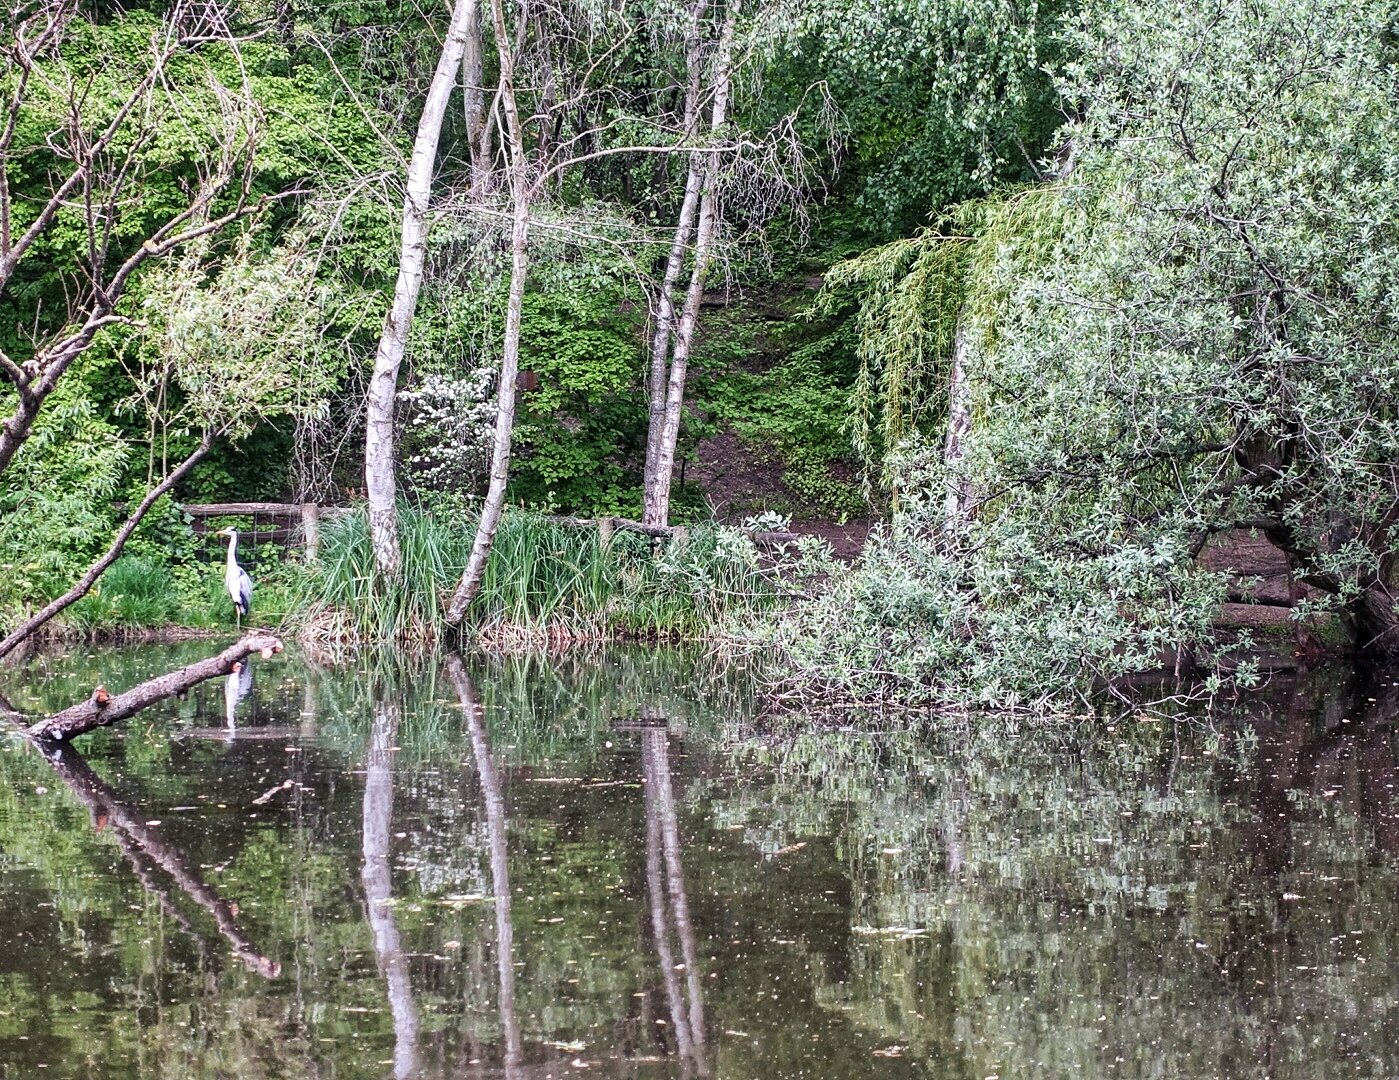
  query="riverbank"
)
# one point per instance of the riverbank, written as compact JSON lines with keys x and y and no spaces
{"x":550,"y":582}
{"x":554,"y":584}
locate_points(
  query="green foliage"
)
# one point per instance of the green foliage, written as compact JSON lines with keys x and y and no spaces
{"x":914,"y":294}
{"x":137,"y":591}
{"x":783,"y":385}
{"x":54,"y":500}
{"x":941,"y":101}
{"x":1210,"y":342}
{"x":229,"y":341}
{"x":581,"y":431}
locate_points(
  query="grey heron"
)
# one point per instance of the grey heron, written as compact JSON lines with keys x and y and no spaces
{"x":235,"y":578}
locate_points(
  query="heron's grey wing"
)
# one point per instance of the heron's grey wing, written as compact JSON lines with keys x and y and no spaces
{"x":245,"y":589}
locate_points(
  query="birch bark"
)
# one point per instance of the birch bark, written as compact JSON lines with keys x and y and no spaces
{"x":684,"y":229}
{"x":661,"y":462}
{"x":521,"y":196}
{"x":379,"y":478}
{"x":478,"y":132}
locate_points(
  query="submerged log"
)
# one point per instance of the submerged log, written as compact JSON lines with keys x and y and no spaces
{"x":103,"y":708}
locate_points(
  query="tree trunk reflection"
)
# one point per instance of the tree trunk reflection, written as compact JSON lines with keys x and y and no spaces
{"x":663,"y":841}
{"x":378,"y":886}
{"x":497,"y":826}
{"x":144,"y":847}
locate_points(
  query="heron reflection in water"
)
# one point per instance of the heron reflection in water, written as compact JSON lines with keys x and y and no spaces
{"x":236,"y":687}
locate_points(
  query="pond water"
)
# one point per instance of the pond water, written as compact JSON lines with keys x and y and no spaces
{"x":593,"y":866}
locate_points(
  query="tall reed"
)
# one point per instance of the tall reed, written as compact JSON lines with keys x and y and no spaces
{"x":546,"y":581}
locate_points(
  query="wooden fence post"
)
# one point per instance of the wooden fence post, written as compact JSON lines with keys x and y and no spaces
{"x":311,"y":528}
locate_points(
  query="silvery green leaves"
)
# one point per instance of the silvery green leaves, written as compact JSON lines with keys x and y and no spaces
{"x":1207,"y":344}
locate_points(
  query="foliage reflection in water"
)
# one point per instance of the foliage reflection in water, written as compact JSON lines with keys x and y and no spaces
{"x":589,"y":866}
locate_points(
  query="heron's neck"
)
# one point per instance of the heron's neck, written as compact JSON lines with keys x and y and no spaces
{"x":233,"y":549}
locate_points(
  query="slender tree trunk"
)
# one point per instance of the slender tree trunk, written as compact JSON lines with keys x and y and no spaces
{"x":663,"y":334}
{"x":379,"y":405}
{"x":97,"y":569}
{"x":662,"y":463}
{"x":958,"y":504}
{"x":494,"y":503}
{"x":477,"y":119}
{"x":521,"y":196}
{"x":662,"y":338}
{"x":664,"y":331}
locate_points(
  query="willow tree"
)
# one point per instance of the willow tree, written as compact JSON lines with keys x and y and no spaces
{"x":1209,"y":346}
{"x":927,"y":305}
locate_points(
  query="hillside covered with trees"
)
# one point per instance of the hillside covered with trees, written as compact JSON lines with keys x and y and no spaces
{"x":1062,"y":297}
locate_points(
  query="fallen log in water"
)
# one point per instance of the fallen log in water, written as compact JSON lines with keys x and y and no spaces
{"x":103,"y":708}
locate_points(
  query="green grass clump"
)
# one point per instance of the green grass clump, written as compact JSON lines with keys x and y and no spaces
{"x":139,"y":593}
{"x":345,"y":601}
{"x":136,"y":591}
{"x":546,"y":581}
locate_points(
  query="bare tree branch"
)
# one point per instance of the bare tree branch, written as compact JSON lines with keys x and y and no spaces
{"x":113,"y":552}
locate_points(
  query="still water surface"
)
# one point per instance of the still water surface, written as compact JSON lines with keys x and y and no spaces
{"x":593,"y":867}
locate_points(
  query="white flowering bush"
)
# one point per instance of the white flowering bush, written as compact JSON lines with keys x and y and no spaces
{"x":445,"y":431}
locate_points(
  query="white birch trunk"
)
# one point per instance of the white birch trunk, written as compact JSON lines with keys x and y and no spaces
{"x":657,"y":495}
{"x":957,"y":506}
{"x":661,"y":342}
{"x":663,"y":333}
{"x":379,"y":469}
{"x":521,"y":195}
